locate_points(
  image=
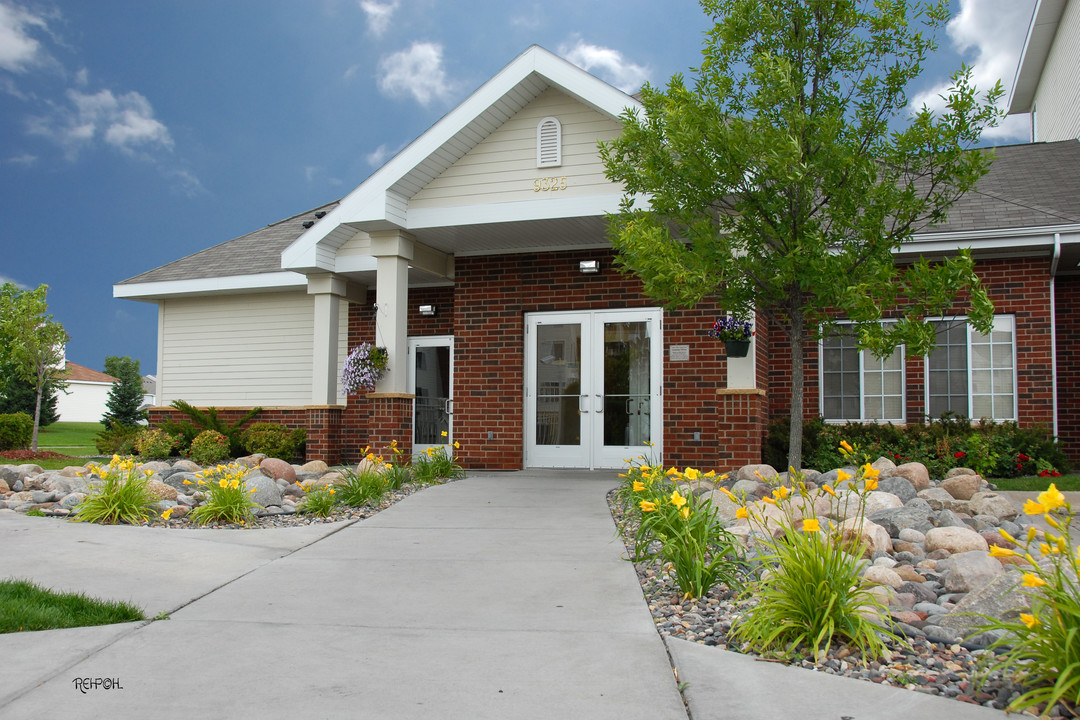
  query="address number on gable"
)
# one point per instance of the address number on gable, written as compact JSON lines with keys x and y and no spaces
{"x":549,"y":184}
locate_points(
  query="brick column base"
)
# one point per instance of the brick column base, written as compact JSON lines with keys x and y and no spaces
{"x":390,"y":419}
{"x":323,"y":443}
{"x":740,"y":426}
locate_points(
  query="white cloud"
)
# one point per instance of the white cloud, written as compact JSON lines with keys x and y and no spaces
{"x":185,"y":183}
{"x":530,"y":19}
{"x":416,"y":72}
{"x":26,"y":160}
{"x":18,"y":50}
{"x":610,"y":65}
{"x":378,"y":156}
{"x":5,"y":279}
{"x":989,"y":35}
{"x":126,"y":122}
{"x":378,"y":15}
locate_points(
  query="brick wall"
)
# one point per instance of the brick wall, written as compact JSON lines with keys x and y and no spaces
{"x":1067,"y":299}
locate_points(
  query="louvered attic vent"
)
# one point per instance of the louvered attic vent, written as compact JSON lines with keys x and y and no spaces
{"x":549,"y":143}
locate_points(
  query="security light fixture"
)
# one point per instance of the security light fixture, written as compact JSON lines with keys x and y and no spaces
{"x":589,"y":267}
{"x":428,"y":310}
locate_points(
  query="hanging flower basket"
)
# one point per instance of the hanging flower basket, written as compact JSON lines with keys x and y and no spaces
{"x":736,"y":348}
{"x":364,"y":366}
{"x":735,"y":334}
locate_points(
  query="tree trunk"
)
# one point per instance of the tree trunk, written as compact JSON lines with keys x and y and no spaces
{"x":795,"y":341}
{"x":37,"y":416}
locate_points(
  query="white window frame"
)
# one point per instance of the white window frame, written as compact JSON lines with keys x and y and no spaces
{"x":998,"y":320}
{"x":862,"y":355}
{"x":541,"y":162}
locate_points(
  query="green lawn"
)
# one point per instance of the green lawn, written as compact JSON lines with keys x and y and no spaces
{"x":25,"y":606}
{"x":1065,"y":483}
{"x":70,"y":438}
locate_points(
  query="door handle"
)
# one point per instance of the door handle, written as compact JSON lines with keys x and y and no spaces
{"x":448,"y":406}
{"x":600,"y":404}
{"x":580,"y":398}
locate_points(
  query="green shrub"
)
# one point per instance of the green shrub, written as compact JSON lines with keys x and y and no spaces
{"x":274,"y":440}
{"x":228,"y":499}
{"x":121,"y":495}
{"x":155,"y":444}
{"x":319,"y":500}
{"x":364,"y":488}
{"x":199,"y":420}
{"x":209,"y":447}
{"x":16,"y":431}
{"x":117,"y":439}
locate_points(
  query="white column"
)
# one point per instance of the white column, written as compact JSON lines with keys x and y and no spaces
{"x":393,"y":251}
{"x":327,"y":290}
{"x":742,"y":372}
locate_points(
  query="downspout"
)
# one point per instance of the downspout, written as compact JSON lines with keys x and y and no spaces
{"x":1053,"y":327}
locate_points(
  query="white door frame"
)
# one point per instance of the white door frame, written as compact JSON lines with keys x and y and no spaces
{"x":431,"y":341}
{"x":591,"y":452}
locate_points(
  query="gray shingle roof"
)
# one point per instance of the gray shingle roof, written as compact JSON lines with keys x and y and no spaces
{"x":1031,"y":185}
{"x":251,"y":254}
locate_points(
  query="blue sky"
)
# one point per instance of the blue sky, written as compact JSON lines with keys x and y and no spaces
{"x":135,"y":133}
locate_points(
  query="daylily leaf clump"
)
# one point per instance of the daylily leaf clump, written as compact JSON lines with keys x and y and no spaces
{"x":227,"y":497}
{"x":119,"y":494}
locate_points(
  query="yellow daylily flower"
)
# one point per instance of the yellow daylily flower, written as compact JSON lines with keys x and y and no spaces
{"x":811,"y":525}
{"x":188,"y":482}
{"x":691,"y":474}
{"x":1033,"y":508}
{"x":998,"y":552}
{"x":871,"y":483}
{"x":1007,"y":536}
{"x":165,"y":515}
{"x":727,"y":492}
{"x":769,"y":500}
{"x":645,"y":468}
{"x":223,"y":483}
{"x":444,"y":433}
{"x":1052,"y":521}
{"x":457,"y":445}
{"x":869,"y":471}
{"x":677,"y":500}
{"x":846,"y":447}
{"x":841,"y":476}
{"x":781,"y":492}
{"x":638,"y":486}
{"x":829,"y":490}
{"x":1032,"y":580}
{"x":647,"y":506}
{"x":711,"y":474}
{"x":672,"y":471}
{"x":742,"y":513}
{"x":684,"y":513}
{"x":1030,"y":620}
{"x":1031,"y":533}
{"x":234,"y":483}
{"x":1051,"y":498}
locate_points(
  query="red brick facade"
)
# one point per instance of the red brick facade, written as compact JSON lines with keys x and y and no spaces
{"x":705,"y":424}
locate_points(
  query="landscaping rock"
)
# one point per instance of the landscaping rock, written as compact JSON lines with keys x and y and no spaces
{"x":990,"y":503}
{"x":901,"y":487}
{"x":266,"y":492}
{"x":947,"y":518}
{"x":969,"y":571}
{"x":914,"y":472}
{"x":756,"y":472}
{"x":70,"y":502}
{"x":877,"y":501}
{"x":894,"y":520}
{"x":882,"y":464}
{"x":4,"y":487}
{"x":278,"y":469}
{"x":155,"y":466}
{"x":882,"y":576}
{"x":1001,"y":598}
{"x":725,"y":507}
{"x":750,"y":489}
{"x":177,"y":480}
{"x":912,"y":535}
{"x":962,"y":487}
{"x":186,"y":466}
{"x":953,"y":472}
{"x":161,"y":491}
{"x":873,"y":537}
{"x":314,"y":466}
{"x":954,"y":540}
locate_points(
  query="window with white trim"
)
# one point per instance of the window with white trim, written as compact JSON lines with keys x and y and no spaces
{"x":856,"y":386}
{"x":549,"y":143}
{"x":972,"y":374}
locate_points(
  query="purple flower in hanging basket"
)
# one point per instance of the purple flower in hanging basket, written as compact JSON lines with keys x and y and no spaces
{"x":731,"y":328}
{"x":363,"y":368}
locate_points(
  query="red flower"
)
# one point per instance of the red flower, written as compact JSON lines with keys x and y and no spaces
{"x":1022,"y":458}
{"x":958,"y":454}
{"x":1044,"y":473}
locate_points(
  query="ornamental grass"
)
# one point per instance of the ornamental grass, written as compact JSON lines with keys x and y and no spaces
{"x":1041,"y":649}
{"x":810,"y":592}
{"x":121,"y":494}
{"x":227,"y":497}
{"x":319,"y":500}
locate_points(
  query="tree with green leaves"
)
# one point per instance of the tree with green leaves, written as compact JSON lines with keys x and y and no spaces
{"x":782,"y":182}
{"x":18,"y":395}
{"x":31,"y":342}
{"x":126,"y":395}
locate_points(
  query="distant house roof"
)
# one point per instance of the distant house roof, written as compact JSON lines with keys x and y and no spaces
{"x":251,"y":254}
{"x":79,"y":373}
{"x":1032,"y":185}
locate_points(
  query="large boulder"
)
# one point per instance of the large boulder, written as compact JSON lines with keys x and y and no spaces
{"x":899,"y":486}
{"x":279,"y":470}
{"x":873,"y":537}
{"x":725,"y":507}
{"x":955,"y":540}
{"x":180,"y":481}
{"x":937,"y":497}
{"x":968,"y":571}
{"x":877,"y":501}
{"x":267,"y":492}
{"x":160,"y":490}
{"x":896,"y":519}
{"x":990,"y":503}
{"x":962,"y":487}
{"x":914,"y":472}
{"x":879,"y":575}
{"x":756,"y":472}
{"x":314,"y":466}
{"x":1001,"y":598}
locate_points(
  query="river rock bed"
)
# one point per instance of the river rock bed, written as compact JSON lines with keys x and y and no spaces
{"x":927,"y":548}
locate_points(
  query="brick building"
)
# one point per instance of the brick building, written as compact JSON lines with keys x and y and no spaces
{"x":478,"y":257}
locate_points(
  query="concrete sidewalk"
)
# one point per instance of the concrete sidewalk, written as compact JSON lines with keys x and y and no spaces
{"x":499,"y":596}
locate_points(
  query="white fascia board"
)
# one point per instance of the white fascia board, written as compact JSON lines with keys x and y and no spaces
{"x":368,"y":203}
{"x":88,"y":382}
{"x":211,"y":286}
{"x":991,"y":240}
{"x":1040,"y":36}
{"x":522,"y":210}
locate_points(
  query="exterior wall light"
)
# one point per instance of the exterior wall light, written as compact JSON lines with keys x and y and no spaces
{"x":428,"y":310}
{"x":589,"y":267}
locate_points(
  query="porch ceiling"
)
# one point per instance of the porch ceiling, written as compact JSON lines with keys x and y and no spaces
{"x":517,"y":237}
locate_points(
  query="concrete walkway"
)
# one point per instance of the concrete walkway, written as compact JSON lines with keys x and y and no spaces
{"x":499,"y":596}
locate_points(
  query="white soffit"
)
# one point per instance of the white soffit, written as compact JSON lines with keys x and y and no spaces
{"x":211,"y":286}
{"x":380,"y":202}
{"x":1040,"y":38}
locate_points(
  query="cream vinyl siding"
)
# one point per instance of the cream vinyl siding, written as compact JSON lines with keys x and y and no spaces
{"x":1057,"y":99}
{"x":502,"y":168}
{"x":240,"y":350}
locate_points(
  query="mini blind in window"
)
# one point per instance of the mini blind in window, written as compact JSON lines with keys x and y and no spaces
{"x":549,"y":143}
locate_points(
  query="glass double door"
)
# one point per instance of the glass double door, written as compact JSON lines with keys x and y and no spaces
{"x":431,"y":367}
{"x":593,"y":393}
